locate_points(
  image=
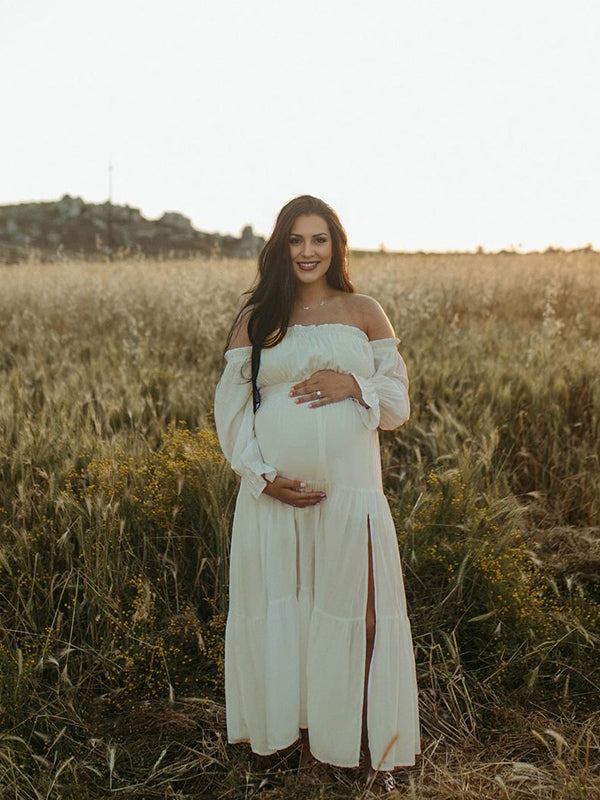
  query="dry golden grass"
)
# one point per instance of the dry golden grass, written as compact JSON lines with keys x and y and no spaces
{"x":115,"y":509}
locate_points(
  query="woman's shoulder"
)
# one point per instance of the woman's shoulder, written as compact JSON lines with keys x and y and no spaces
{"x":239,"y":333}
{"x":370,"y":316}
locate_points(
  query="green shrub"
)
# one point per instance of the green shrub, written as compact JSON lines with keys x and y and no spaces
{"x":476,"y":578}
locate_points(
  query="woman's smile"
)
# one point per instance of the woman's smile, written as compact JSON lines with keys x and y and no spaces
{"x":308,"y":265}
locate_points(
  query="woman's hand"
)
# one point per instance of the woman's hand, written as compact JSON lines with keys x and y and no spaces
{"x":332,"y":385}
{"x":292,"y":492}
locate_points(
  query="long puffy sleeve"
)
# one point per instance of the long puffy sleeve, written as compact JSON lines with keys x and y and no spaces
{"x":386,"y":391}
{"x":234,"y":420}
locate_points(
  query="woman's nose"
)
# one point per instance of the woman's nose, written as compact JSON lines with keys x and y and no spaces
{"x":307,"y":250}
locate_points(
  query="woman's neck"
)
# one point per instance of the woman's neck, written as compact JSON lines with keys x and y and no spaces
{"x":311,"y":294}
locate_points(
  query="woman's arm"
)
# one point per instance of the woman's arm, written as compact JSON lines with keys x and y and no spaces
{"x":384,"y":396}
{"x":234,"y":420}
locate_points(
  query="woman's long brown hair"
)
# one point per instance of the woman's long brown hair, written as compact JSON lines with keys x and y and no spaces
{"x":272,"y":298}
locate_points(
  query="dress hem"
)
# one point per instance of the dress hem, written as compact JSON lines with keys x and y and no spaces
{"x":298,"y":739}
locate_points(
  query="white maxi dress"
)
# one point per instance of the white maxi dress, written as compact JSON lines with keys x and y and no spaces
{"x":295,"y":639}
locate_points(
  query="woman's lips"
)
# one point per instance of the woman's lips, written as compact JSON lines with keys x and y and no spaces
{"x":308,"y":265}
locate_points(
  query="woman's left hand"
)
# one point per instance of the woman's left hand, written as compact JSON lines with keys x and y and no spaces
{"x":334,"y":386}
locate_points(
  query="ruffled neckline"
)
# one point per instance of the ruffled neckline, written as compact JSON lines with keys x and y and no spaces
{"x":300,"y":327}
{"x":330,"y":325}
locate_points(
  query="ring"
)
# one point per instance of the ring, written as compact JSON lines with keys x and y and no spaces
{"x":319,"y":393}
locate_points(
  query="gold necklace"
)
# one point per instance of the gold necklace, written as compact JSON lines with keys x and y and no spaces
{"x":320,"y":303}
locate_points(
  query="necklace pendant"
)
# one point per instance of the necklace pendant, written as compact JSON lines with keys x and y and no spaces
{"x":320,"y":303}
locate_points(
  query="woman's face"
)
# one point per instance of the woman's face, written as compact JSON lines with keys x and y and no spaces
{"x":310,"y":248}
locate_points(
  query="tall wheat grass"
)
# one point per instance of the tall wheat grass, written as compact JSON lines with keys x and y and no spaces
{"x":116,"y":504}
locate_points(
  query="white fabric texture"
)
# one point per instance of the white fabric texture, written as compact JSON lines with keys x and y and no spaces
{"x":295,"y":638}
{"x":234,"y":419}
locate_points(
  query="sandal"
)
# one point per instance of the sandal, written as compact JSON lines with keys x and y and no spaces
{"x":383,"y":784}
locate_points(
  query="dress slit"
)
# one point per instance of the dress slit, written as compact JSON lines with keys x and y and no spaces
{"x":369,"y":646}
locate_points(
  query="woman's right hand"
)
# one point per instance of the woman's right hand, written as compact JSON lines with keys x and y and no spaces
{"x":292,"y":492}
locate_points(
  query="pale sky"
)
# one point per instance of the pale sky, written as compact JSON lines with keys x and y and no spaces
{"x":426,"y":125}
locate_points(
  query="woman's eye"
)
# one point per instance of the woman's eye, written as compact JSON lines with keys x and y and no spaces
{"x":294,"y":241}
{"x":321,"y":240}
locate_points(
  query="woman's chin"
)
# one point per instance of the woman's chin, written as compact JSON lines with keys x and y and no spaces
{"x":309,"y":276}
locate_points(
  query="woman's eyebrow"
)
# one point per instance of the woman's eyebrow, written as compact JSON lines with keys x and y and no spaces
{"x":314,"y":236}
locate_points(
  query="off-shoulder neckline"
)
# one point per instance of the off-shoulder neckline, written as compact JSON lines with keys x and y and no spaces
{"x":330,"y":325}
{"x":359,"y":331}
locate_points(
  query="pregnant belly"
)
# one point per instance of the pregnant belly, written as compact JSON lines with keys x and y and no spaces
{"x":313,"y":444}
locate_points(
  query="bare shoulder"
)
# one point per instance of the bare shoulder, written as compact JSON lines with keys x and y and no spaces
{"x":239,"y":334}
{"x":373,"y":319}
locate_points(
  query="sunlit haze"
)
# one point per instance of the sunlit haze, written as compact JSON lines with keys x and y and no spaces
{"x":427,"y":125}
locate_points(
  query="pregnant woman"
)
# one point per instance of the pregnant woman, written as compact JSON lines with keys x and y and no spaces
{"x":318,"y":642}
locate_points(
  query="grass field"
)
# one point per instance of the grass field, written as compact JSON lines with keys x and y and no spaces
{"x":116,"y":504}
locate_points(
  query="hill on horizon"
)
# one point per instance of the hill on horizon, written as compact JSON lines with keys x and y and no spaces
{"x":50,"y":230}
